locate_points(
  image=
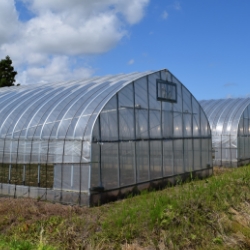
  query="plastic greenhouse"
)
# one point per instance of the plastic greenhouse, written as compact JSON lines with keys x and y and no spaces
{"x":89,"y":141}
{"x":230,"y":125}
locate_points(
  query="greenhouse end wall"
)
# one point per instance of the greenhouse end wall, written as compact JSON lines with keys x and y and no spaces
{"x":90,"y":141}
{"x":145,"y":138}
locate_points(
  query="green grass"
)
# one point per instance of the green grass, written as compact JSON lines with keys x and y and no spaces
{"x":203,"y":214}
{"x":188,"y":215}
{"x":6,"y":244}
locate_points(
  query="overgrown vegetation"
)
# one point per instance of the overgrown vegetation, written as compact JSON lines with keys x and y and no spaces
{"x":17,"y":171}
{"x":203,"y":214}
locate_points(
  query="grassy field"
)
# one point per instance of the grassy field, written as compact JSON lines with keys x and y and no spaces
{"x":202,"y":214}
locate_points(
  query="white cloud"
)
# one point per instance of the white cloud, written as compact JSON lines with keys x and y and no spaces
{"x":132,"y":61}
{"x":61,"y":30}
{"x":8,"y":20}
{"x":164,"y":15}
{"x":50,"y":34}
{"x":133,"y":10}
{"x":58,"y":69}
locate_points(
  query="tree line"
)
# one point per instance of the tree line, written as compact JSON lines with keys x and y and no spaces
{"x":7,"y":73}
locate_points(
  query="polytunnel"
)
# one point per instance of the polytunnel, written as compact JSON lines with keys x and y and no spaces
{"x":230,"y":126}
{"x":89,"y":141}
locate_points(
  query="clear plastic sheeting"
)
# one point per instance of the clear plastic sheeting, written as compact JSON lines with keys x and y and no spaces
{"x":65,"y":140}
{"x":230,"y":125}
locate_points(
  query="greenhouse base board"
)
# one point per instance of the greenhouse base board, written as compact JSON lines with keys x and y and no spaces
{"x":52,"y":195}
{"x":113,"y":195}
{"x":243,"y":162}
{"x":225,"y":163}
{"x":95,"y":198}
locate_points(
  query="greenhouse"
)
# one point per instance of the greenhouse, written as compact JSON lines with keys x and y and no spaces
{"x":230,"y":125}
{"x":90,"y":141}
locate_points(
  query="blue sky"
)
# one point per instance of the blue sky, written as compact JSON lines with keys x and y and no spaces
{"x":205,"y":43}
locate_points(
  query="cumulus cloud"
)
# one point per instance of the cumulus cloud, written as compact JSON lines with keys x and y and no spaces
{"x":60,"y":30}
{"x":57,"y":69}
{"x":8,"y":15}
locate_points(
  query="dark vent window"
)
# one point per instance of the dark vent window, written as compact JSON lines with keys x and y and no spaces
{"x":166,"y":91}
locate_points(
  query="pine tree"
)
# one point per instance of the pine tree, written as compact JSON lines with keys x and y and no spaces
{"x":7,"y":73}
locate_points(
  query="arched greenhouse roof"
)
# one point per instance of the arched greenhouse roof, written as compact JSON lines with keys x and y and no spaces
{"x":65,"y":110}
{"x":224,"y":114}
